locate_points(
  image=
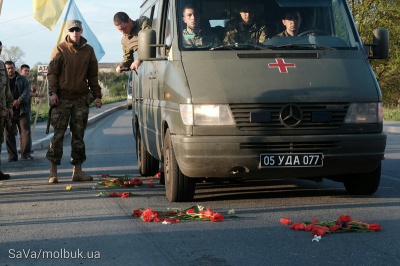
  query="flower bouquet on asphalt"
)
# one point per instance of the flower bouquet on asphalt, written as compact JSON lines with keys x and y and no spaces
{"x":343,"y":224}
{"x":119,"y":181}
{"x":194,"y":213}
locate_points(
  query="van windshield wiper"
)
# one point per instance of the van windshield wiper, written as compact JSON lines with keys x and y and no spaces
{"x":308,"y":46}
{"x":237,"y":46}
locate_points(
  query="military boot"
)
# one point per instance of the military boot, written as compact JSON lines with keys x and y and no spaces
{"x":4,"y":176}
{"x":53,"y":173}
{"x":79,"y":175}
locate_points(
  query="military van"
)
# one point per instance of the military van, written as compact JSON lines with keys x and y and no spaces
{"x":305,"y":106}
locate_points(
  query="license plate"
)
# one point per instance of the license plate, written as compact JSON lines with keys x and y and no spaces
{"x":291,"y":160}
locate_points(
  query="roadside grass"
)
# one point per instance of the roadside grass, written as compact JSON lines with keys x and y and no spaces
{"x":391,"y":114}
{"x":43,"y":111}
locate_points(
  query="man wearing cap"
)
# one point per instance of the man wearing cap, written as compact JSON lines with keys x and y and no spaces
{"x":245,"y":29}
{"x":130,"y":30}
{"x":73,"y":77}
{"x":291,"y":20}
{"x":6,"y":104}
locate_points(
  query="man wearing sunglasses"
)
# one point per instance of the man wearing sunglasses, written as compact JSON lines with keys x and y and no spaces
{"x":73,"y":77}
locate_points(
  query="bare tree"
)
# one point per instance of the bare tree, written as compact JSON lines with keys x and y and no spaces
{"x":13,"y":54}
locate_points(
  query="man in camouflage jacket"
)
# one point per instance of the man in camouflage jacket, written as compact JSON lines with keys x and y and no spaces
{"x":244,"y":29}
{"x":193,"y":35}
{"x":6,"y":103}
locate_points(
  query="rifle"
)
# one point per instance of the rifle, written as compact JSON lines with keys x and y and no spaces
{"x":49,"y":119}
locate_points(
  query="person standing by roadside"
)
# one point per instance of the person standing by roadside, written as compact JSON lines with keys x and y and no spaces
{"x":130,"y":30}
{"x":19,"y":87}
{"x":25,"y":70}
{"x":72,"y":76}
{"x":6,"y":102}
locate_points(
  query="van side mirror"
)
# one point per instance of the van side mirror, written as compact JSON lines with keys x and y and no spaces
{"x":380,"y":45}
{"x":147,"y":40}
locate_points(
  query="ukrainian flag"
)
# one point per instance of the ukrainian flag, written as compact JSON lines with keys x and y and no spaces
{"x":47,"y":12}
{"x":74,"y":13}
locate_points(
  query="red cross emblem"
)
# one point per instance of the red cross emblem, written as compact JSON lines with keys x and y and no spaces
{"x":280,"y":63}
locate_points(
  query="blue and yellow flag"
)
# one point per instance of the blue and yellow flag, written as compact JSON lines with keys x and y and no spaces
{"x":74,"y":13}
{"x":47,"y":12}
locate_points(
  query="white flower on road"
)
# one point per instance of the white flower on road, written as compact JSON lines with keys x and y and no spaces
{"x":316,"y":238}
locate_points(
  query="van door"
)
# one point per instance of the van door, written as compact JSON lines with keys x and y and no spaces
{"x":145,"y":99}
{"x":162,"y":23}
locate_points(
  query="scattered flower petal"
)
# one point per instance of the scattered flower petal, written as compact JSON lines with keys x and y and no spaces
{"x":316,"y":238}
{"x":231,"y":212}
{"x":68,"y":187}
{"x":285,"y":221}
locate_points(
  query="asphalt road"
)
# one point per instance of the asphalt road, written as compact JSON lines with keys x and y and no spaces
{"x":39,"y":221}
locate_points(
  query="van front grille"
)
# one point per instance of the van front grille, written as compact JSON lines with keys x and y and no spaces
{"x":269,"y":116}
{"x":289,"y":147}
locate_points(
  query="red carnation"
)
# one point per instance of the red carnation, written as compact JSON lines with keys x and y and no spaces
{"x":285,"y":221}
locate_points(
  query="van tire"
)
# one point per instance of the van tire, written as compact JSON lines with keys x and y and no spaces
{"x":178,"y":187}
{"x":148,"y":165}
{"x":363,"y":184}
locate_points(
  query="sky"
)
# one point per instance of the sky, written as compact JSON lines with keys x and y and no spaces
{"x":19,"y":28}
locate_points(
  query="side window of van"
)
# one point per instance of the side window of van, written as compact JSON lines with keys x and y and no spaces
{"x":166,"y":29}
{"x":154,"y":17}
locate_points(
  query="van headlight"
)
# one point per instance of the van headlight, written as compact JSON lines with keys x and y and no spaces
{"x":364,"y":113}
{"x":206,"y":115}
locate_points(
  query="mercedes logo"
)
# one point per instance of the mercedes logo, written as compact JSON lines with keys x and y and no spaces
{"x":291,"y":115}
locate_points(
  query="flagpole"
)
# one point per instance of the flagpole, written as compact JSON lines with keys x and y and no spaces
{"x":61,"y":34}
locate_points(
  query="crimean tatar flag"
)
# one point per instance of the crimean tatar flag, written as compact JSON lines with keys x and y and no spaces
{"x":47,"y":12}
{"x":74,"y":13}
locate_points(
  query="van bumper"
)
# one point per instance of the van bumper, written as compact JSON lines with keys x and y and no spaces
{"x":239,"y":156}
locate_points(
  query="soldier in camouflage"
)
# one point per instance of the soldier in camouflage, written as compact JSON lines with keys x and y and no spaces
{"x":291,"y":20}
{"x":193,"y":35}
{"x":6,"y":103}
{"x":130,"y":30}
{"x":73,"y":78}
{"x":244,"y":29}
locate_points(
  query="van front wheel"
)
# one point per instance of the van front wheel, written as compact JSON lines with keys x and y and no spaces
{"x":178,"y":187}
{"x":148,"y":165}
{"x":363,"y":184}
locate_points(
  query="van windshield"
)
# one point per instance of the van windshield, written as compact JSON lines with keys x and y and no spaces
{"x":265,"y":24}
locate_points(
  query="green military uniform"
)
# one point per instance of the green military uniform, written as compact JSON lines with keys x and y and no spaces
{"x":237,"y":32}
{"x":130,"y":41}
{"x":73,"y":76}
{"x":283,"y":34}
{"x":6,"y":99}
{"x":201,"y":38}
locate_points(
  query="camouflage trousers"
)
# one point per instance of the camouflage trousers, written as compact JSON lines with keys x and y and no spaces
{"x":75,"y":113}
